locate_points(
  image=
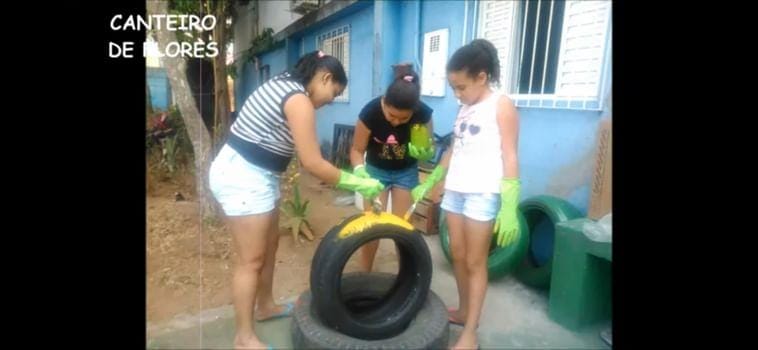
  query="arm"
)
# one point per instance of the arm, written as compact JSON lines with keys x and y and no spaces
{"x":360,"y":142}
{"x":301,"y":118}
{"x":508,"y":123}
{"x":436,"y":176}
{"x":506,"y":223}
{"x":445,"y":159}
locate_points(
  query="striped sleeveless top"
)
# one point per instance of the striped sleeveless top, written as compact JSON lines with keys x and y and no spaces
{"x":260,"y":133}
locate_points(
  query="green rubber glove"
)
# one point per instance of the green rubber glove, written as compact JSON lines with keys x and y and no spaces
{"x":360,"y":171}
{"x":422,"y":154}
{"x":506,"y":224}
{"x":368,"y":188}
{"x":420,"y":191}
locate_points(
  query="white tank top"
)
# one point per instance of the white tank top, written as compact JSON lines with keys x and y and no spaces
{"x":477,"y":163}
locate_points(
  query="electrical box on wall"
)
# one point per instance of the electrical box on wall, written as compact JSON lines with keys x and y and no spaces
{"x":433,"y":75}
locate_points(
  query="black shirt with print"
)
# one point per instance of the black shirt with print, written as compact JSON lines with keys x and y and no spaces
{"x":387,"y":145}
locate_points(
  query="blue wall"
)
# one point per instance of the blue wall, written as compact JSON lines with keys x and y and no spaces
{"x":556,"y":146}
{"x":160,"y":89}
{"x":389,"y":28}
{"x":556,"y":149}
{"x":360,"y":17}
{"x":437,"y":15}
{"x":360,"y":75}
{"x":245,"y":84}
{"x":248,"y":79}
{"x":407,"y":33}
{"x":277,"y":61}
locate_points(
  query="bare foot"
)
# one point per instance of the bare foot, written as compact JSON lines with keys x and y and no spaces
{"x":466,"y":341}
{"x":263,"y":313}
{"x":250,"y":343}
{"x":455,"y":316}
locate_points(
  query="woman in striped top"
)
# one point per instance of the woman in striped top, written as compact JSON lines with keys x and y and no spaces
{"x":277,"y":120}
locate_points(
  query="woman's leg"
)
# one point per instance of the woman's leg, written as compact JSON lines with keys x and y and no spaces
{"x":266,"y":307}
{"x":250,"y":242}
{"x":368,"y":250}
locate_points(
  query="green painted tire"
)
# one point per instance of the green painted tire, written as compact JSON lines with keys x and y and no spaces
{"x":501,"y":261}
{"x":531,"y":271}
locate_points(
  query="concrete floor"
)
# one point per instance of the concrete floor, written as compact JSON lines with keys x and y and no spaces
{"x":514,"y":317}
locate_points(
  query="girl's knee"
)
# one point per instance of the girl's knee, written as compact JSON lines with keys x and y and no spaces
{"x":252,"y":263}
{"x":475,"y":263}
{"x":458,"y":254}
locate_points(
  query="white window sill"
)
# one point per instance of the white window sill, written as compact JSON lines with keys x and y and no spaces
{"x":553,"y":102}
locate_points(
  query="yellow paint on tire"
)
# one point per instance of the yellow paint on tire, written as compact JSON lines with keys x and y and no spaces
{"x":368,"y":220}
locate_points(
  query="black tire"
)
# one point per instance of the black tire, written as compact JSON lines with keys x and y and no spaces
{"x":428,"y":330}
{"x":393,"y":313}
{"x":546,"y":211}
{"x":500,"y":261}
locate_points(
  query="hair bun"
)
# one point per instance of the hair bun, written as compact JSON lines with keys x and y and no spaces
{"x":402,"y":70}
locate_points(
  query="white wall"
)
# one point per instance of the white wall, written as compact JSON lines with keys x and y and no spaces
{"x":276,"y":15}
{"x":244,"y":27}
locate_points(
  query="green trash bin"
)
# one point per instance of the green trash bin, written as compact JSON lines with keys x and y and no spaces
{"x":580,"y":285}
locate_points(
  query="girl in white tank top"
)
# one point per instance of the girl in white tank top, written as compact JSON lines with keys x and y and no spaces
{"x":477,"y":161}
{"x":482,"y":184}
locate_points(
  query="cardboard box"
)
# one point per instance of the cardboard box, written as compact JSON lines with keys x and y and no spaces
{"x":602,"y":185}
{"x":426,"y":217}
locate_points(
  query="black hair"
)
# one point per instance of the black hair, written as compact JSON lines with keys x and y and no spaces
{"x":307,"y":66}
{"x":478,"y":56}
{"x":405,"y":90}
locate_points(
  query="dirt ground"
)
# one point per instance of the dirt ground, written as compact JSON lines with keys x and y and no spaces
{"x":189,"y":264}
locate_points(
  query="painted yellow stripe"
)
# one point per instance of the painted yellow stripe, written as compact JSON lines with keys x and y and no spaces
{"x":369,"y":219}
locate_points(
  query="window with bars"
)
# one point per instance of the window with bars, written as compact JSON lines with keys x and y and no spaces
{"x":549,"y":50}
{"x":337,"y":43}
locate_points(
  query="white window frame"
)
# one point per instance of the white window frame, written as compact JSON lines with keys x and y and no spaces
{"x":509,"y":60}
{"x":325,"y":42}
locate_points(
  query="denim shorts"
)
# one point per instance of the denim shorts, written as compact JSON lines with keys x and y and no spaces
{"x":241,"y":187}
{"x":477,"y":206}
{"x":403,"y":178}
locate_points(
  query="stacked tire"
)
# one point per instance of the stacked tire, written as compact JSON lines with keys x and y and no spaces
{"x":370,"y":310}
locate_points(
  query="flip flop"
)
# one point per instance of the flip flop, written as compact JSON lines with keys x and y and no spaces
{"x":451,"y":319}
{"x":286,"y":313}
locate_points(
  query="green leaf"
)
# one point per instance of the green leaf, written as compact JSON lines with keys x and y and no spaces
{"x":297,"y":194}
{"x":289,"y":208}
{"x":296,"y":226}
